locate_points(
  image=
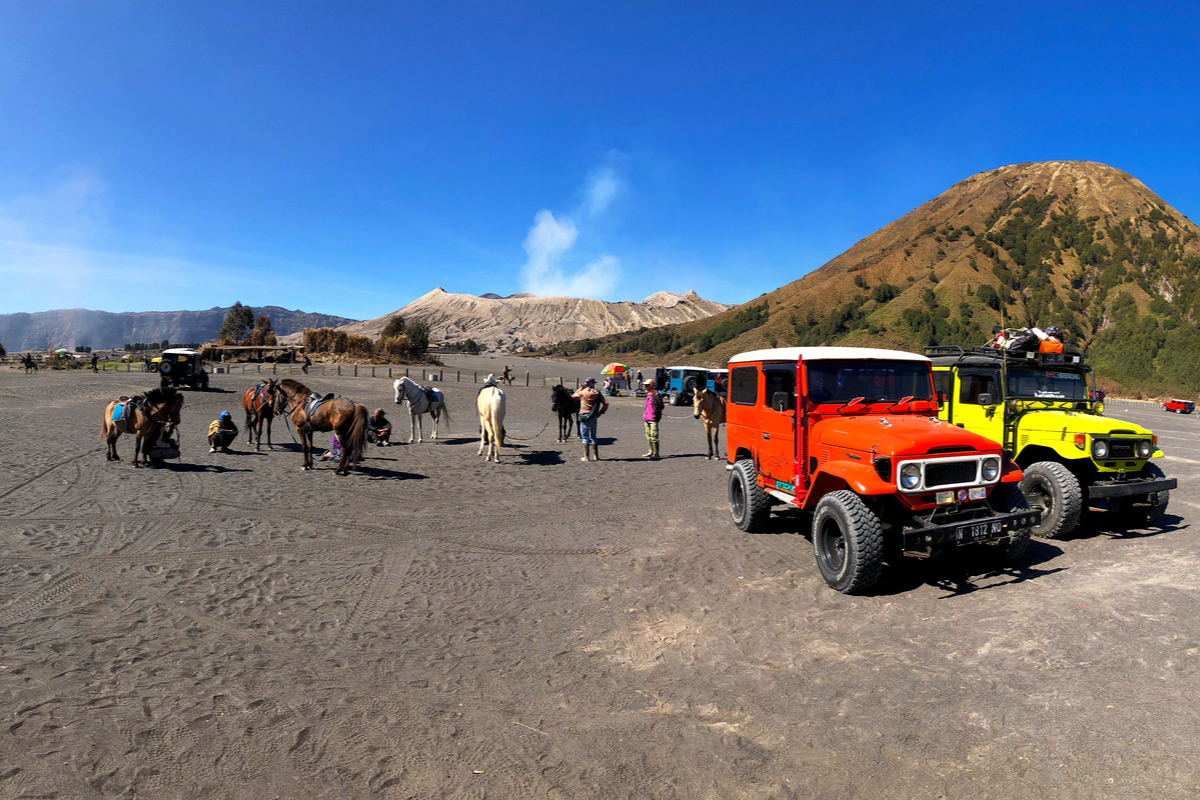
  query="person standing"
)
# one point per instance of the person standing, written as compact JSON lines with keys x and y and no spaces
{"x":222,"y":433}
{"x":591,"y":406}
{"x":145,"y":362}
{"x":95,"y":361}
{"x":651,"y":417}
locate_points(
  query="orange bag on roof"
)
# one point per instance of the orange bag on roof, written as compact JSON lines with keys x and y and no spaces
{"x":1050,"y":346}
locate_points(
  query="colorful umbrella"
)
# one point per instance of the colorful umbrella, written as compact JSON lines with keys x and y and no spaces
{"x":614,"y":369}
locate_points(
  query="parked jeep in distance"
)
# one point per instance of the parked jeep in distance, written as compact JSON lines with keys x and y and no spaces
{"x":679,"y":384}
{"x":1041,"y":407}
{"x":850,"y":435}
{"x":1179,"y":406}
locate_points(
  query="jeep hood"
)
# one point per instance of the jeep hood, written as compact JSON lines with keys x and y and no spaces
{"x":899,"y":436}
{"x":1062,"y":422}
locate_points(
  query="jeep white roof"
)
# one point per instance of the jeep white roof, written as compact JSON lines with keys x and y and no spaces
{"x":695,"y":369}
{"x":181,"y":351}
{"x":825,"y":354}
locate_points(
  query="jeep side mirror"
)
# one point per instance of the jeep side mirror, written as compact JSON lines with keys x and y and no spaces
{"x":985,"y":399}
{"x":781,"y":401}
{"x":941,"y":398}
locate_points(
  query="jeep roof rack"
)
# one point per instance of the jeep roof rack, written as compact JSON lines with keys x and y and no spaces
{"x":962,"y":355}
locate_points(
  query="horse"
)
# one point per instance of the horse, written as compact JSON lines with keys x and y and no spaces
{"x":310,"y":412}
{"x":490,"y":405}
{"x":419,"y":404}
{"x":566,"y":407}
{"x":260,"y":404}
{"x":710,"y":406}
{"x":150,"y":410}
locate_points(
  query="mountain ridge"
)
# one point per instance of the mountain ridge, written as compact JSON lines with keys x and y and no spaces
{"x":102,"y":330}
{"x":522,"y":319}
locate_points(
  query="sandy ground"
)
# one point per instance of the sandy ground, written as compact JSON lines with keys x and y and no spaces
{"x":437,"y":626}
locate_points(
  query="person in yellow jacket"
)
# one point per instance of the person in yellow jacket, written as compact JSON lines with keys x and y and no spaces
{"x":222,"y":433}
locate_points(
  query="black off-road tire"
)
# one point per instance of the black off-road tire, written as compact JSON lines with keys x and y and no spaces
{"x":848,"y":542}
{"x":1054,"y":489}
{"x":748,"y":503}
{"x":1149,"y":507}
{"x":1007,"y":499}
{"x":673,"y":398}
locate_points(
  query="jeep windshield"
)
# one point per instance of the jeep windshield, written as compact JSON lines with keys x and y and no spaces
{"x":876,"y":381}
{"x":1039,"y":384}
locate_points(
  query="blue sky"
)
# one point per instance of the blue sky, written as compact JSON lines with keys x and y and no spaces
{"x":349,"y":157}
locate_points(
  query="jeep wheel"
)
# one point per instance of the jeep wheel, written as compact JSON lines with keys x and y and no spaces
{"x":1054,"y":490}
{"x":747,"y":501}
{"x":1007,"y":499}
{"x":1141,"y":510}
{"x":848,"y":542}
{"x":674,"y":398}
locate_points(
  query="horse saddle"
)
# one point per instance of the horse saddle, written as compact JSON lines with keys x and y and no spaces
{"x":315,"y":401}
{"x":429,"y":395}
{"x":123,"y":410}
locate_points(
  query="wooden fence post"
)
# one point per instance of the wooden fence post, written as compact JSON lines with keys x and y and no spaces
{"x":458,"y":377}
{"x":372,"y":370}
{"x":527,"y":378}
{"x":339,"y":369}
{"x":273,"y":366}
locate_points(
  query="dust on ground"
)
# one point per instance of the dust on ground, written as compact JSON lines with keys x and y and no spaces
{"x":436,"y":626}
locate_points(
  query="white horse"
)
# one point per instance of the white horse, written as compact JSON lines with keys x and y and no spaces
{"x":419,"y":405}
{"x":490,"y":405}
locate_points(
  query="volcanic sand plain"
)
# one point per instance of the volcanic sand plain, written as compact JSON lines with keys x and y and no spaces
{"x":228,"y":626}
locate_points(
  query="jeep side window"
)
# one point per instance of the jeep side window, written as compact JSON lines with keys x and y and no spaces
{"x":941,"y":381}
{"x":743,"y":385}
{"x":974,"y":384}
{"x":779,"y":379}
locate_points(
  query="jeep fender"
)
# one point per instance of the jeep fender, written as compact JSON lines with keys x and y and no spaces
{"x":1010,"y":472}
{"x":835,"y":475}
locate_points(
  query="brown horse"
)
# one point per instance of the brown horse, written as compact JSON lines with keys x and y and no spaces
{"x":348,"y":420}
{"x":710,"y":406}
{"x":261,"y":404}
{"x":151,"y":410}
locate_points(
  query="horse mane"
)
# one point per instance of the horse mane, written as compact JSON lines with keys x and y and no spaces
{"x":163,"y":395}
{"x":295,"y":387}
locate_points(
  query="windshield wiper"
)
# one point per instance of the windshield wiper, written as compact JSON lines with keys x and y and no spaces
{"x":908,"y":399}
{"x":865,"y":401}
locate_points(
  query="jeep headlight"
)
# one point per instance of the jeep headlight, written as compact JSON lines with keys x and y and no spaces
{"x":990,"y":469}
{"x":1144,"y":449}
{"x":910,"y":476}
{"x":1099,"y":448}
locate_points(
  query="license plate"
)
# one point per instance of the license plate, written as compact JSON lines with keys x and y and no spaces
{"x":980,"y":532}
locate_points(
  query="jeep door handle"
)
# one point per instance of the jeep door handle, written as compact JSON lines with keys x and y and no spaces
{"x":766,"y":436}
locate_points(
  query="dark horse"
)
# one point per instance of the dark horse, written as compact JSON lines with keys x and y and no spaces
{"x":148,"y":413}
{"x":566,"y":407}
{"x":261,"y":403}
{"x":348,"y":420}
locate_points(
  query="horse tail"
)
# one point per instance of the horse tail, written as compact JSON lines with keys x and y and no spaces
{"x":446,"y":412}
{"x":104,"y":425}
{"x":357,"y":439}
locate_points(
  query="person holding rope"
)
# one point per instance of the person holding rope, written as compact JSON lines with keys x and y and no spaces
{"x":651,"y":417}
{"x":591,"y":406}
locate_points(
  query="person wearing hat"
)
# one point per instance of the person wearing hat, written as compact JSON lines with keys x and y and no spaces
{"x":379,"y":429}
{"x":651,"y":417}
{"x":222,"y":433}
{"x":591,"y":406}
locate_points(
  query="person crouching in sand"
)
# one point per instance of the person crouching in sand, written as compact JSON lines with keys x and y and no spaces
{"x":222,"y":433}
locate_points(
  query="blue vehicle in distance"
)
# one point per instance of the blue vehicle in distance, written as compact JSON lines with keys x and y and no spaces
{"x":679,"y":384}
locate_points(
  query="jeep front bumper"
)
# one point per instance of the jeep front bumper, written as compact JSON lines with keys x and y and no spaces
{"x":1129,"y":488}
{"x":967,"y":531}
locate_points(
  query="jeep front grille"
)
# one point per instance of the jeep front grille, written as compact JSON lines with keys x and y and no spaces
{"x":950,"y":473}
{"x":1121,"y":448}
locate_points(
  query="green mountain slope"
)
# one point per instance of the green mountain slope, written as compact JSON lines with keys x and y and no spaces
{"x":1078,"y":244}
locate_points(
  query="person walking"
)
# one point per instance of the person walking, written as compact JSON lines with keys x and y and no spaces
{"x":307,"y":364}
{"x":222,"y":433}
{"x":95,"y":361}
{"x":651,"y":417}
{"x":591,"y":406}
{"x":145,"y":362}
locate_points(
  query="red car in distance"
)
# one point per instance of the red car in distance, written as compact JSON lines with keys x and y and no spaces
{"x":1179,"y":406}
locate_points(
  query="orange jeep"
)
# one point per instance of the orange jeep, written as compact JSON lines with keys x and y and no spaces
{"x":852,"y":436}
